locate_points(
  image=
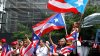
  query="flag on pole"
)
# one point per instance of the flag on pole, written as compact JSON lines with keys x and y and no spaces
{"x":79,"y":5}
{"x":5,"y":49}
{"x":55,"y":22}
{"x":39,"y":26}
{"x":31,"y":48}
{"x":61,"y":6}
{"x":35,"y":40}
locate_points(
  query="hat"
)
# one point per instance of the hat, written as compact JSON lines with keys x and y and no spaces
{"x":14,"y":43}
{"x":3,"y":40}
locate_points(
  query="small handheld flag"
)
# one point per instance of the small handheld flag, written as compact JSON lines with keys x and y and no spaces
{"x":67,"y":49}
{"x":72,"y":36}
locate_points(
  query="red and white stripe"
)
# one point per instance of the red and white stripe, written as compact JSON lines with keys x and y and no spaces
{"x":21,"y":51}
{"x":28,"y":50}
{"x":43,"y":27}
{"x":3,"y":52}
{"x":9,"y":53}
{"x":49,"y":27}
{"x":66,"y":50}
{"x":61,"y":6}
{"x":39,"y":26}
{"x":35,"y":42}
{"x":69,"y":37}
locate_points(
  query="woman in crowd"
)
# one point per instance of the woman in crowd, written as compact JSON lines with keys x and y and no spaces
{"x":61,"y":44}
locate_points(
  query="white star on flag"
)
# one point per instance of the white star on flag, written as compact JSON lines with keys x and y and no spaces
{"x":79,"y":2}
{"x":35,"y":37}
{"x":56,"y":20}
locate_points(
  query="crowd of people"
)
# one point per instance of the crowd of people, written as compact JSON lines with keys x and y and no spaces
{"x":64,"y":47}
{"x":19,"y":47}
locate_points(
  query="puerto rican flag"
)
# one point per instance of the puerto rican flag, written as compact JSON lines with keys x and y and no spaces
{"x":63,"y":6}
{"x":29,"y":50}
{"x":31,"y":47}
{"x":52,"y":50}
{"x":73,"y":36}
{"x":5,"y":49}
{"x":36,"y":40}
{"x":67,"y":49}
{"x":54,"y":22}
{"x":3,"y":52}
{"x":78,"y":4}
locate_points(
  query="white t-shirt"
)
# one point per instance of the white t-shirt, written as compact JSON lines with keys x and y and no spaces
{"x":17,"y":51}
{"x":78,"y":43}
{"x":42,"y":51}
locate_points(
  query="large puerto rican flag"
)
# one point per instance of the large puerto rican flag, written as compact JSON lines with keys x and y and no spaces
{"x":78,"y":4}
{"x":54,"y":22}
{"x":63,"y":6}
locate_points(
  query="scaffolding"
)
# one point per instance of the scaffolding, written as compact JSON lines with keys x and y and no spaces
{"x":28,"y":12}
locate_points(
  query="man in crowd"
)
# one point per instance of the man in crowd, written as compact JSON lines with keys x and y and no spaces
{"x":42,"y":50}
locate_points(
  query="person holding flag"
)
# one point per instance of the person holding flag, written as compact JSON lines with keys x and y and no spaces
{"x":42,"y":49}
{"x":61,"y":44}
{"x":27,"y":48}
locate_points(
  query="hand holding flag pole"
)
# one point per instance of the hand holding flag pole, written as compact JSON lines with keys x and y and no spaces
{"x":27,"y":38}
{"x":81,"y":21}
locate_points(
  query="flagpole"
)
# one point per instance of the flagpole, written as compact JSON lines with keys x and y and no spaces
{"x":63,"y":16}
{"x":81,"y":21}
{"x":81,"y":18}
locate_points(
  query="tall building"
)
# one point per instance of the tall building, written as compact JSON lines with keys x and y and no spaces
{"x":23,"y":11}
